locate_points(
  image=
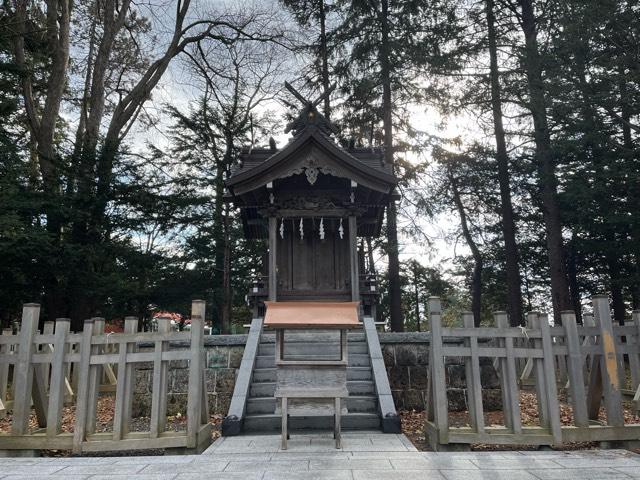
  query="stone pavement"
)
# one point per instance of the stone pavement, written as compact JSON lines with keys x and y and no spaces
{"x":364,"y":456}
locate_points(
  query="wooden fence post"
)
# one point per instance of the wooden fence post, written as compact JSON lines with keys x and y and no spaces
{"x":473,"y":378}
{"x":550,"y":380}
{"x":95,"y":375}
{"x":575,"y":364}
{"x":5,"y":349}
{"x":609,"y":362}
{"x":23,"y":371}
{"x":508,"y":376}
{"x":196,"y":369}
{"x":56,"y":391}
{"x":438,"y":378}
{"x":160,"y":379}
{"x":533,"y":320}
{"x":82,"y":391}
{"x":124,"y":385}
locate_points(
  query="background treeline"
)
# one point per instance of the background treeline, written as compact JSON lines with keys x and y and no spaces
{"x":120,"y":121}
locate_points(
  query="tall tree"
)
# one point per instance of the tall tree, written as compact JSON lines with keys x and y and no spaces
{"x":544,"y":158}
{"x":512,"y":269}
{"x":305,"y":11}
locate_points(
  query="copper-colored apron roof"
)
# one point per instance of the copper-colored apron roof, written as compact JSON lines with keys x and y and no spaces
{"x":311,"y":314}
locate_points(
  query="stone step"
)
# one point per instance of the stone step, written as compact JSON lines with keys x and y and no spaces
{"x":356,"y":387}
{"x":353,"y":373}
{"x":273,"y":422}
{"x":313,"y":348}
{"x":355,"y":404}
{"x":355,"y":360}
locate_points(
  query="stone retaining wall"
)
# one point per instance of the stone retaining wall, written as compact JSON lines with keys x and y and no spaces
{"x":406,"y":356}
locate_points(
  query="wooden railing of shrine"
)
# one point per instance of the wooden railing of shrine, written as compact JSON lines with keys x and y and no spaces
{"x":596,"y":362}
{"x":55,"y":369}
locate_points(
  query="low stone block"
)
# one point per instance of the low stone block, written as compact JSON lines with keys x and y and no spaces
{"x":419,"y":377}
{"x":235,"y":356}
{"x":222,"y":405}
{"x":212,"y":400}
{"x":414,"y":400}
{"x":225,"y":380}
{"x":141,"y":405}
{"x":142,"y":383}
{"x":422,"y":354}
{"x":178,"y":364}
{"x":177,"y":403}
{"x":398,"y":377}
{"x":210,"y":379}
{"x":491,"y":399}
{"x":489,"y":376}
{"x":406,"y":355}
{"x":456,"y":376}
{"x":179,"y":380}
{"x":388,"y":355}
{"x":457,"y":399}
{"x":217,"y":358}
{"x":398,"y":398}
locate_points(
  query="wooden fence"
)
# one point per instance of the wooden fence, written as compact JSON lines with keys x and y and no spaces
{"x":56,"y":367}
{"x":597,"y":362}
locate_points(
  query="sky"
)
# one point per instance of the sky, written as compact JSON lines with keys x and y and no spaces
{"x":179,"y":88}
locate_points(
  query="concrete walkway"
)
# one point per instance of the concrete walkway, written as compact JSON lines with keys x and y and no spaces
{"x":364,"y":456}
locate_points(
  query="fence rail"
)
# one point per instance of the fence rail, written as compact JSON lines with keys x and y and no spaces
{"x":591,"y":360}
{"x":55,"y":367}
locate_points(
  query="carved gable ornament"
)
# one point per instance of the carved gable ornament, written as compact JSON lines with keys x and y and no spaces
{"x":311,"y":166}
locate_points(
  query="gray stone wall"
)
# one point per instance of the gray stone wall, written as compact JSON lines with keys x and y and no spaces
{"x":406,"y":356}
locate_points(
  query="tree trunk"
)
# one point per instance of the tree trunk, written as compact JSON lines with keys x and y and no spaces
{"x":476,"y":278}
{"x":574,"y":288}
{"x":324,"y":59}
{"x":512,"y":269}
{"x":395,"y":296}
{"x":545,"y":163}
{"x":633,"y":189}
{"x":615,"y":284}
{"x":416,"y":294}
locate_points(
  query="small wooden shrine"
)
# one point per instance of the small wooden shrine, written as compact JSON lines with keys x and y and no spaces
{"x":312,"y":199}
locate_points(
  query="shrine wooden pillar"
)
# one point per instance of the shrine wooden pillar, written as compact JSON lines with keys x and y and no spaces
{"x":273,"y":265}
{"x":353,"y":258}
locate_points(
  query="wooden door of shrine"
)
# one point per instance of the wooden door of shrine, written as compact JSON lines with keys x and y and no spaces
{"x":311,"y":267}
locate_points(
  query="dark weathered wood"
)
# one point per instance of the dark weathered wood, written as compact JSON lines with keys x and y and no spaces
{"x":82,"y":408}
{"x":438,"y":381}
{"x":273,"y":261}
{"x":5,"y":349}
{"x":23,"y":370}
{"x":159,"y":383}
{"x":353,"y":258}
{"x":533,"y":321}
{"x":196,"y":365}
{"x":575,"y":364}
{"x":510,"y":376}
{"x":550,"y":379}
{"x":609,"y":362}
{"x":57,"y":389}
{"x":130,"y":327}
{"x":95,"y":374}
{"x":473,"y":379}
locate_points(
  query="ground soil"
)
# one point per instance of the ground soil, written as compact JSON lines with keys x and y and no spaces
{"x":413,"y":423}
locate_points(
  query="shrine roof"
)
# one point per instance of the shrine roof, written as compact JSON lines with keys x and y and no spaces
{"x":363,"y":161}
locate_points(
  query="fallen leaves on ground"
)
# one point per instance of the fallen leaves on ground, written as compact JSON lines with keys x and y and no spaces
{"x":413,"y":422}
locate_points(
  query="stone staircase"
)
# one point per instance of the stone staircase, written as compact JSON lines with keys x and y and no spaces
{"x":362,"y":403}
